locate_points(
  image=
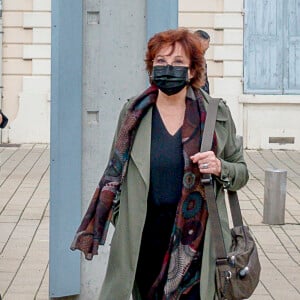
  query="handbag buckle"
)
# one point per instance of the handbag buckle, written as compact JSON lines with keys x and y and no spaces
{"x":222,"y":261}
{"x":206,"y":179}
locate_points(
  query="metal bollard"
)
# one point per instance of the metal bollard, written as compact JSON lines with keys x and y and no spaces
{"x":274,"y":196}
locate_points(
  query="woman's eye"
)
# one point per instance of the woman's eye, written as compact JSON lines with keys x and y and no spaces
{"x":178,"y":62}
{"x":161,"y":61}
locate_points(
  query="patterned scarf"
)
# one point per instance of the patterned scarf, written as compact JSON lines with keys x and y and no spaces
{"x":181,"y":262}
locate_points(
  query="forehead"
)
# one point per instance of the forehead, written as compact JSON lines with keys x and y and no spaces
{"x":169,"y":50}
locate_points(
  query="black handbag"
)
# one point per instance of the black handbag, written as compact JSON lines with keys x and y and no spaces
{"x":238,"y":271}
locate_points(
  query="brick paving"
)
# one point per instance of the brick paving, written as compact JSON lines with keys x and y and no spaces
{"x":24,"y":223}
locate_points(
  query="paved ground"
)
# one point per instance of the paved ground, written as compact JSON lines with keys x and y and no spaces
{"x":24,"y":223}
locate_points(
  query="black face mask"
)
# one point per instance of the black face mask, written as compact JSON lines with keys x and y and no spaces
{"x":170,"y":80}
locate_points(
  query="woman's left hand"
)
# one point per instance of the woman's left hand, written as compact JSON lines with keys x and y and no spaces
{"x":207,"y":162}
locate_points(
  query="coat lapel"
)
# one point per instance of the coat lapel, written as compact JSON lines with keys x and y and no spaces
{"x":140,"y":153}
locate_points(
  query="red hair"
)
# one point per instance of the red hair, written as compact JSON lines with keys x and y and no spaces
{"x":191,"y":45}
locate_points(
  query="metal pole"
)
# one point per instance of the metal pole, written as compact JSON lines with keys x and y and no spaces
{"x":274,"y":196}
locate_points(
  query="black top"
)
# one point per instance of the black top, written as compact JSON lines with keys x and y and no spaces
{"x":166,"y":172}
{"x":166,"y":164}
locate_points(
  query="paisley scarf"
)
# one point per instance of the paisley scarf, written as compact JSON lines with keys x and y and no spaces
{"x":181,"y":266}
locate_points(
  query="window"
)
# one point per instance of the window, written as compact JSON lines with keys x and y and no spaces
{"x":272,"y":47}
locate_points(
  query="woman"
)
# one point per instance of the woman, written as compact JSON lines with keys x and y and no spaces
{"x":161,"y":248}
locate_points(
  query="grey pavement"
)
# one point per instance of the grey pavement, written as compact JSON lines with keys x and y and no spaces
{"x":24,"y":223}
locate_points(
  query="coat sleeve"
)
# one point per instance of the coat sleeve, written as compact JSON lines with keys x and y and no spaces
{"x":234,"y":173}
{"x":122,"y":114}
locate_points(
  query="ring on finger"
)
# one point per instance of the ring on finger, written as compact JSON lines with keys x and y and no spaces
{"x":204,"y":166}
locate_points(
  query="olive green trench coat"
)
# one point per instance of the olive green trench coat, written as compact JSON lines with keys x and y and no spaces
{"x":130,"y":217}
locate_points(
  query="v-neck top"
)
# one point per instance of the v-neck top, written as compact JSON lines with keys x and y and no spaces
{"x":166,"y":163}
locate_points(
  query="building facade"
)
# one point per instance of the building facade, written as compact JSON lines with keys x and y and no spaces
{"x":26,"y":70}
{"x":253,"y":63}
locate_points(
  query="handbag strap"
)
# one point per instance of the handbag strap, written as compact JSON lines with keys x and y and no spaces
{"x":208,"y":132}
{"x":236,"y":215}
{"x":235,"y":208}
